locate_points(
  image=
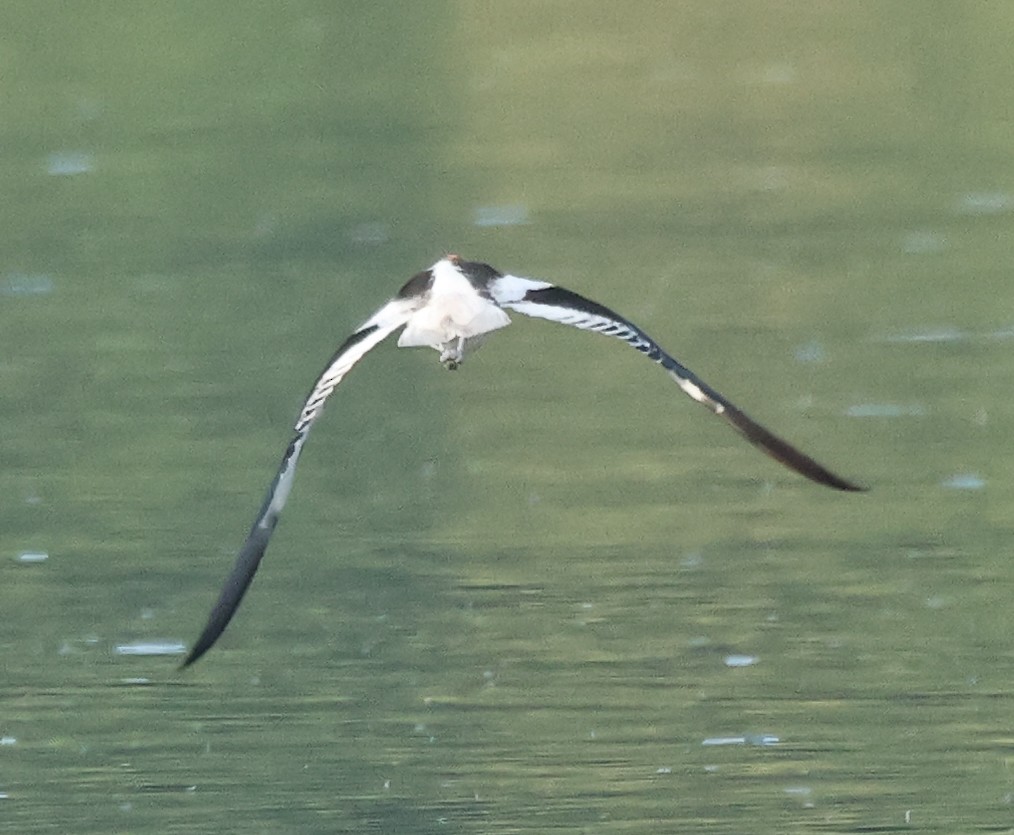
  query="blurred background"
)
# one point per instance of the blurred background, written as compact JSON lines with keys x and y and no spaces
{"x":547,"y":592}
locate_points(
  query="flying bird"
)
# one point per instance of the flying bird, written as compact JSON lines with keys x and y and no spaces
{"x":452,"y":307}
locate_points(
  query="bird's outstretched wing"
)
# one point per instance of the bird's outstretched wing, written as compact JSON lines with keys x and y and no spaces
{"x":371,"y":333}
{"x":547,"y":301}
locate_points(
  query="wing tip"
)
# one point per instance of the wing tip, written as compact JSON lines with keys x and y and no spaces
{"x":842,"y":484}
{"x":206,"y":641}
{"x":192,"y":656}
{"x":803,"y":464}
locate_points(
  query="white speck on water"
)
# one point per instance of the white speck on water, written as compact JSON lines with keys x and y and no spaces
{"x":775,"y":74}
{"x":376,"y":232}
{"x":692,"y":560}
{"x":507,"y":215}
{"x":32,"y":557}
{"x":150,"y":648}
{"x":1006,"y":332}
{"x":943,"y":334}
{"x":922,"y":335}
{"x":923,"y":242}
{"x":740,"y":660}
{"x":749,"y":739}
{"x":964,"y":481}
{"x":21,"y":285}
{"x":8,"y":740}
{"x":810,"y":352}
{"x":985,"y":203}
{"x":804,"y":793}
{"x":889,"y":410}
{"x":69,"y":163}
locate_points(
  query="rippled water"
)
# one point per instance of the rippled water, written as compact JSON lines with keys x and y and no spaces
{"x":547,"y":592}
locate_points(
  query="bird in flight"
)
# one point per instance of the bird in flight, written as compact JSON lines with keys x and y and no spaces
{"x":452,"y":307}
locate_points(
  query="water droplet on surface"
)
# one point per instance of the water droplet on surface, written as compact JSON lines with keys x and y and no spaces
{"x":964,"y":481}
{"x":891,"y":410}
{"x":508,"y":215}
{"x":69,"y":163}
{"x":150,"y":648}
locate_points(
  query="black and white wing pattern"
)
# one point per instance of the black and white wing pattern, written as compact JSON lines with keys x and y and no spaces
{"x":547,"y":301}
{"x":371,"y":333}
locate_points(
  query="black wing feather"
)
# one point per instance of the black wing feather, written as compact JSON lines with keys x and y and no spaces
{"x":388,"y":319}
{"x":567,"y":307}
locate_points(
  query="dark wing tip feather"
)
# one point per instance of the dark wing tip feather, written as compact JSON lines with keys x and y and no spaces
{"x":783,"y":452}
{"x":232,"y":593}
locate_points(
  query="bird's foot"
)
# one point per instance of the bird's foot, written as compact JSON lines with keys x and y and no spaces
{"x":451,"y":358}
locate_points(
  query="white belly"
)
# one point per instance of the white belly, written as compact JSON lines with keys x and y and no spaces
{"x":455,"y":309}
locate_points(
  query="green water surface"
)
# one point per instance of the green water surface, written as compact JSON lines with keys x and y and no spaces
{"x":547,"y":593}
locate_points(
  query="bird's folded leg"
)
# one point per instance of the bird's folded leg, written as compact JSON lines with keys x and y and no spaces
{"x":450,"y":357}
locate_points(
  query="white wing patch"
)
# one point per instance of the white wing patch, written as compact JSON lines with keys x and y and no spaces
{"x":371,"y":333}
{"x":508,"y":289}
{"x":570,"y":316}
